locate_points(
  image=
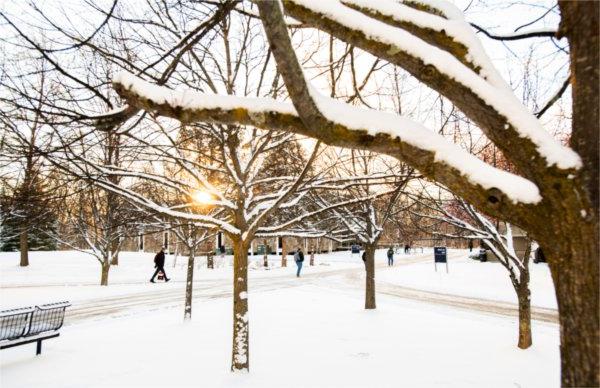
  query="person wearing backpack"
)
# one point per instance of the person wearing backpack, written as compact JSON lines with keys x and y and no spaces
{"x":299,"y":258}
{"x":390,"y":256}
{"x":159,"y":264}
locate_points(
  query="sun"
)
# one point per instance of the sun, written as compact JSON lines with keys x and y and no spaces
{"x":202,"y":197}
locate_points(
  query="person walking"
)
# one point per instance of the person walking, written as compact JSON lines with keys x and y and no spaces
{"x":159,"y":264}
{"x":470,"y":245}
{"x":390,"y":256}
{"x":299,"y":258}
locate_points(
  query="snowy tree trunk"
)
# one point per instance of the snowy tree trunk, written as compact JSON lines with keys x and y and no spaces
{"x":115,"y":252}
{"x":266,"y":256}
{"x":283,"y":253}
{"x":370,"y":278}
{"x":210,"y":261}
{"x":104,"y":275}
{"x":175,"y":256}
{"x":240,"y":355}
{"x":189,"y":285}
{"x":24,"y":248}
{"x":312,"y":256}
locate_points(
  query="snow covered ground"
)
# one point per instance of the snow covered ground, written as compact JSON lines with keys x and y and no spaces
{"x":468,"y":277}
{"x":74,"y":276}
{"x":307,"y":332}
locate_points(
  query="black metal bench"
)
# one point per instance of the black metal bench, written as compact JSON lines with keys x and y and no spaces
{"x":31,"y":324}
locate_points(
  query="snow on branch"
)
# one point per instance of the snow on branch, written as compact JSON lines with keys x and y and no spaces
{"x":322,"y":210}
{"x":432,"y":64}
{"x":166,"y":211}
{"x":430,"y":152}
{"x":137,"y":199}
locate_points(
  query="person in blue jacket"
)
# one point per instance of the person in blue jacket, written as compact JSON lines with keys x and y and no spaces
{"x":299,"y":258}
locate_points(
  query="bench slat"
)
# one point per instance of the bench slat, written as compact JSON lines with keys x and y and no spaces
{"x":31,"y":324}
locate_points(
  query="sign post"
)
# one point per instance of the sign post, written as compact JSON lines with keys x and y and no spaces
{"x":440,"y":256}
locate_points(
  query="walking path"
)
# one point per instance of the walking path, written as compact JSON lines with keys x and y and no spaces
{"x":351,"y":278}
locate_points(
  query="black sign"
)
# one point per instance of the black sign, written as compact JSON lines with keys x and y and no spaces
{"x":439,"y":255}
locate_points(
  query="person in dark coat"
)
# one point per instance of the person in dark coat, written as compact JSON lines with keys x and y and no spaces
{"x":159,"y":264}
{"x":364,"y":257}
{"x":406,"y":248}
{"x":390,"y":256}
{"x":298,"y":258}
{"x":470,"y":245}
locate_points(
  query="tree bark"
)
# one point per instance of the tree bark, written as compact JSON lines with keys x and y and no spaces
{"x":115,"y":253}
{"x":266,"y":256}
{"x":115,"y":259}
{"x":574,"y":268}
{"x":575,"y":264}
{"x":24,"y":248}
{"x":240,"y":355}
{"x":104,"y":275}
{"x":283,"y":253}
{"x":370,"y":278}
{"x":312,"y":256}
{"x":189,"y":286}
{"x":524,"y":297}
{"x":210,"y":262}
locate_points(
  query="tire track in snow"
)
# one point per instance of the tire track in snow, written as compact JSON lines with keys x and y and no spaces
{"x":126,"y":304}
{"x":132,"y":303}
{"x":489,"y":306}
{"x":467,"y":303}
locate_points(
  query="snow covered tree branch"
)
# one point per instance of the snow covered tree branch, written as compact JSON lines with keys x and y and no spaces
{"x":428,"y":152}
{"x":494,"y":236}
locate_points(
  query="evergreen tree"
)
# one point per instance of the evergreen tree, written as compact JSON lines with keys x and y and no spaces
{"x":27,"y":209}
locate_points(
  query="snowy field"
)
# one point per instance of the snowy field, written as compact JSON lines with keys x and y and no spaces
{"x":307,"y":332}
{"x":471,"y":278}
{"x":74,"y":276}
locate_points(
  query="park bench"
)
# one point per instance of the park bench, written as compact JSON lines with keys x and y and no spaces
{"x":31,"y":324}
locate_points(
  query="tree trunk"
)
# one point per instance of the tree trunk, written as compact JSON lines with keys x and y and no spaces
{"x":210,"y":261}
{"x":370,"y":278}
{"x":283,"y":253}
{"x":104,"y":276}
{"x":115,"y":259}
{"x":266,"y":256}
{"x":524,"y":297}
{"x":115,"y":253}
{"x":24,"y":248}
{"x":575,"y":274}
{"x":312,"y":256}
{"x":189,"y":285}
{"x":575,"y":262}
{"x":240,"y":355}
